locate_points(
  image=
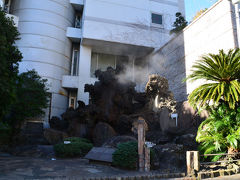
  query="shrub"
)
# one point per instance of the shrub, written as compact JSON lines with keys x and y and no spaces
{"x":78,"y":147}
{"x":126,"y":155}
{"x":220,"y":132}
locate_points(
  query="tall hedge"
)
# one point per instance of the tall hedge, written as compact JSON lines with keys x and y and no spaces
{"x":10,"y":56}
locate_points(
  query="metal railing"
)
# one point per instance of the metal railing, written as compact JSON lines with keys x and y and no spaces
{"x":194,"y":163}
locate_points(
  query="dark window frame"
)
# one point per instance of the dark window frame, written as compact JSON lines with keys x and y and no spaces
{"x":154,"y":20}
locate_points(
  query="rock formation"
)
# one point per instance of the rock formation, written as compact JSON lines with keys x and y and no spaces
{"x":157,"y":90}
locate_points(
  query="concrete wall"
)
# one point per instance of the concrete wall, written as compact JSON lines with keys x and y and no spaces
{"x":214,"y":30}
{"x":129,"y":22}
{"x":44,"y":44}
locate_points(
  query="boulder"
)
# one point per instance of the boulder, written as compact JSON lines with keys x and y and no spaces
{"x":165,"y":120}
{"x":77,"y":129}
{"x":54,"y":136}
{"x":114,"y":141}
{"x":188,"y":141}
{"x":124,"y":125}
{"x":188,"y":118}
{"x":102,"y":132}
{"x":58,"y":124}
{"x":171,"y":157}
{"x":158,"y":137}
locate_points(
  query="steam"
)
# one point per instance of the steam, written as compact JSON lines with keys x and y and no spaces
{"x":139,"y":73}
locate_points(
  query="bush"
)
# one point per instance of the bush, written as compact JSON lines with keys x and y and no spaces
{"x":126,"y":155}
{"x":78,"y":147}
{"x":219,"y":133}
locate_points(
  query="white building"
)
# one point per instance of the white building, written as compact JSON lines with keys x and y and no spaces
{"x":65,"y":41}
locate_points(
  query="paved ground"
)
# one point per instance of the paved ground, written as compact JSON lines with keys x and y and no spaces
{"x":18,"y":168}
{"x":22,"y":168}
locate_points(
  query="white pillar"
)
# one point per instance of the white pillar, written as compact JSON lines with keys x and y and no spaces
{"x":84,"y":72}
{"x":237,"y":22}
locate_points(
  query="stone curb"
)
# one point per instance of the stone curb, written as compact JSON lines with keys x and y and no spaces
{"x":213,"y":174}
{"x":139,"y":177}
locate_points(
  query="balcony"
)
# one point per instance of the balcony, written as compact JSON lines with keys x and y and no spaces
{"x":75,"y":34}
{"x":70,"y":82}
{"x":15,"y":19}
{"x":77,"y":4}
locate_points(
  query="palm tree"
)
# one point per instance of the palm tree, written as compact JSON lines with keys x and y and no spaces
{"x":222,"y":73}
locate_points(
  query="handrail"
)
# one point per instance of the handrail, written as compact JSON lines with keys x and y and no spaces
{"x":205,"y":163}
{"x":218,"y":154}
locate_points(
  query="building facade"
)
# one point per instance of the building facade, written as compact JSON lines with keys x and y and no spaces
{"x":217,"y":28}
{"x":65,"y":41}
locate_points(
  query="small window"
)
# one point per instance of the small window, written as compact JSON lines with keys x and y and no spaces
{"x":157,"y":19}
{"x":75,"y":59}
{"x":78,"y":21}
{"x":102,"y":62}
{"x":73,"y":99}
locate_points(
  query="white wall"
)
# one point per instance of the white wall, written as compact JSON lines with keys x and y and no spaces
{"x":44,"y":44}
{"x":128,"y":22}
{"x":84,"y":72}
{"x":212,"y":31}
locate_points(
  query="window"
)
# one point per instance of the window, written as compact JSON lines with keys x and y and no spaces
{"x":78,"y":21}
{"x":73,"y":99}
{"x":6,"y":6}
{"x":75,"y":61}
{"x":102,"y":62}
{"x":157,"y":19}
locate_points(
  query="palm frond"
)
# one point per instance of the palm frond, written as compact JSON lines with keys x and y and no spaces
{"x":221,"y":73}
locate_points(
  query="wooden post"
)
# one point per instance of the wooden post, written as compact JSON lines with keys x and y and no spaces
{"x":141,"y":143}
{"x":193,"y":162}
{"x":147,"y":159}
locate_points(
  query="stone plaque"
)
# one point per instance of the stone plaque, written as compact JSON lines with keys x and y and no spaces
{"x":101,"y":154}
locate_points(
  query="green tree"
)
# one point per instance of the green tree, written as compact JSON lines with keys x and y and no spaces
{"x":32,"y":98}
{"x":221,"y":73}
{"x":9,"y":58}
{"x":179,"y":24}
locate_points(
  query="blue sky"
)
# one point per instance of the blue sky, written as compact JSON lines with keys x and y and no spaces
{"x":192,"y":6}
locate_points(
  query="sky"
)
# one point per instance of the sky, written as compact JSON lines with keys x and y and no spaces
{"x":192,"y":6}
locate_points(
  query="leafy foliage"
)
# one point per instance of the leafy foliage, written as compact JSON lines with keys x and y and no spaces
{"x":126,"y":155}
{"x":32,"y":98}
{"x":9,"y":58}
{"x":220,"y":131}
{"x":221,"y":73}
{"x":179,"y":24}
{"x":78,"y":147}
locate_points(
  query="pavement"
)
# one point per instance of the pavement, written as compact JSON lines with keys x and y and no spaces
{"x":26,"y":168}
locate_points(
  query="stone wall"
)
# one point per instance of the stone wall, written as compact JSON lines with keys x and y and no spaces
{"x":214,"y":30}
